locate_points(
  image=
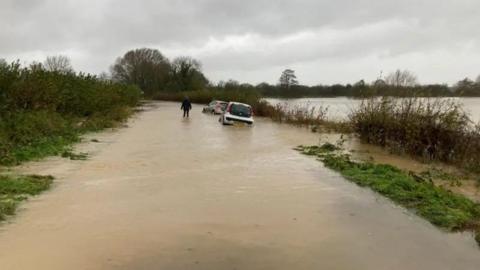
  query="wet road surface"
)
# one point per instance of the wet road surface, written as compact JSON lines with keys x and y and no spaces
{"x":168,"y":193}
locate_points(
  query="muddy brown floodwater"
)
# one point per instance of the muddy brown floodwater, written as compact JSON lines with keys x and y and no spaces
{"x":167,"y":193}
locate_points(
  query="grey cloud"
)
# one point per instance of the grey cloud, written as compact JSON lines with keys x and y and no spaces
{"x":95,"y":32}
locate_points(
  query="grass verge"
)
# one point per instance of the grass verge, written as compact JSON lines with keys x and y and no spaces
{"x":14,"y":189}
{"x":442,"y":208}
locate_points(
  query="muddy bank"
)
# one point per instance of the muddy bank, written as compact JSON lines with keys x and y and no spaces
{"x":169,"y":193}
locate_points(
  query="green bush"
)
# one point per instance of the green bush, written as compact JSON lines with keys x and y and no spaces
{"x":41,"y":112}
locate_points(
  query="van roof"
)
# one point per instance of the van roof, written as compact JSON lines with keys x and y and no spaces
{"x":239,"y":103}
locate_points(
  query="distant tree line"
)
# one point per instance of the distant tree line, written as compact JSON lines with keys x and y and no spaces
{"x":359,"y":89}
{"x":155,"y":74}
{"x":400,"y":83}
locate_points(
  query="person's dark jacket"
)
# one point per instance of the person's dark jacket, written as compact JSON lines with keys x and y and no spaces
{"x":186,"y":105}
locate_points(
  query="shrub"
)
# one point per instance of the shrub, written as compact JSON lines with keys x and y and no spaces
{"x":43,"y":111}
{"x":432,"y":129}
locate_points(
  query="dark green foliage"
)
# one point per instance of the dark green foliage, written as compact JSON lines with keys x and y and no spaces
{"x":14,"y":189}
{"x":441,"y":207}
{"x":328,"y":147}
{"x":42,"y":112}
{"x":431,"y":129}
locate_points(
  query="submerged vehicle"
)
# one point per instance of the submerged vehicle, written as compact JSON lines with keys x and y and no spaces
{"x":237,"y":112}
{"x":215,"y":107}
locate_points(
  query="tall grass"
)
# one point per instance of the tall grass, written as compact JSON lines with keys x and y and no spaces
{"x":433,"y":129}
{"x":41,"y":112}
{"x":310,"y":116}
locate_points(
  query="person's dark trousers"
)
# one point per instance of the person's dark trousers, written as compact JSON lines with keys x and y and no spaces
{"x":186,"y":113}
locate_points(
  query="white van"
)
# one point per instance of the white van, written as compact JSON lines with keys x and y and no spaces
{"x":237,"y":112}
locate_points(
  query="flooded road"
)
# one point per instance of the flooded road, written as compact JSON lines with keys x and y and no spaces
{"x":168,"y":193}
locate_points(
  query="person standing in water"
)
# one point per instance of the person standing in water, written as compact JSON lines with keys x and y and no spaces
{"x":186,"y":107}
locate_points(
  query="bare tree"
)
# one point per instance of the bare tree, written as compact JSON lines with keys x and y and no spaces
{"x":288,"y":78}
{"x":477,"y":81}
{"x":379,"y":83}
{"x":401,"y":78}
{"x":58,"y":63}
{"x":36,"y":66}
{"x":147,"y":68}
{"x":104,"y":76}
{"x":185,"y":65}
{"x":465,"y":87}
{"x":186,"y":74}
{"x":3,"y":63}
{"x":465,"y":83}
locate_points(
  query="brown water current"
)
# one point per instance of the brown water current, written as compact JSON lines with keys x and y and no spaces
{"x":168,"y":193}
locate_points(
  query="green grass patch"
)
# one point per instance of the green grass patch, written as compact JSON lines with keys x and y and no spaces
{"x":43,"y":147}
{"x":14,"y":189}
{"x":441,"y":207}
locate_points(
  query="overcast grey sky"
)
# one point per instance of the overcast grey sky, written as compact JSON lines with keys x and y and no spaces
{"x":326,"y":42}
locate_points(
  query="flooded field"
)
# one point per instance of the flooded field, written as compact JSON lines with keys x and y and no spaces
{"x":173,"y":193}
{"x":339,"y":108}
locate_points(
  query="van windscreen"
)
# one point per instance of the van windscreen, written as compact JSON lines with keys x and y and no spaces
{"x":241,"y":110}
